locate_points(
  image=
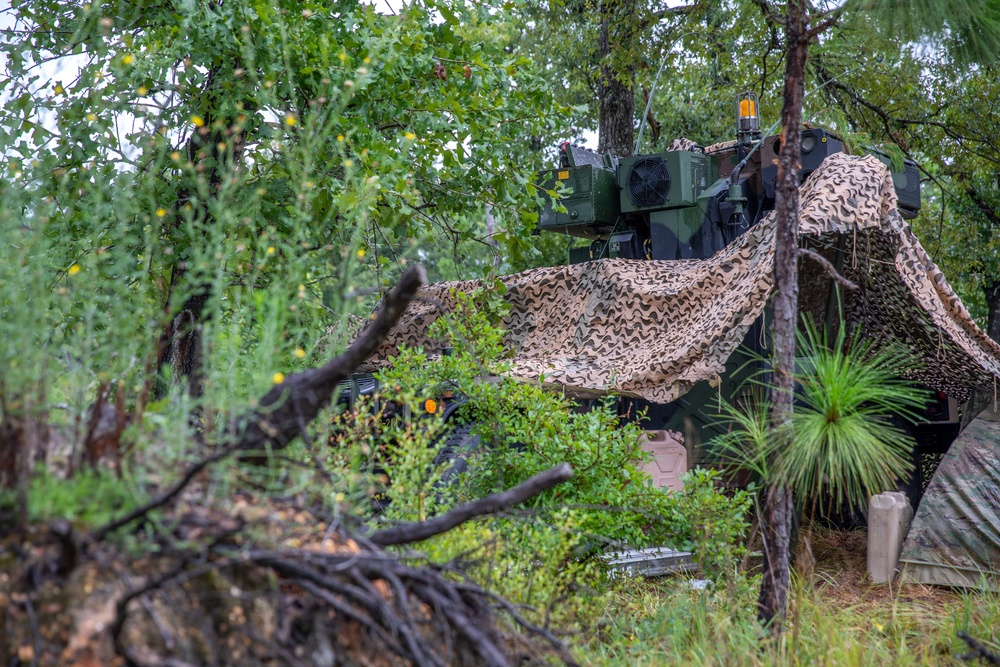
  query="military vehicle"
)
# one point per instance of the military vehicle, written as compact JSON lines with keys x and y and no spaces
{"x":682,"y":205}
{"x":690,"y":204}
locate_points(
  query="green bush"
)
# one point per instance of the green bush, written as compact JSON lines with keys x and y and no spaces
{"x":526,"y":429}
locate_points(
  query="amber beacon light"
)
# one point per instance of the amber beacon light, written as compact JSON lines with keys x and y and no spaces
{"x":747,"y":118}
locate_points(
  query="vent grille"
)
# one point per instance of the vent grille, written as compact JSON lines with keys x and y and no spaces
{"x":699,"y":175}
{"x":648,"y":182}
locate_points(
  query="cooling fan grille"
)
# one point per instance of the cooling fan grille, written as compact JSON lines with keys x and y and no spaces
{"x":648,"y":182}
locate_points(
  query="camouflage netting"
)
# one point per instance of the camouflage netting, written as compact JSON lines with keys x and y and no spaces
{"x":653,"y":329}
{"x":955,"y":536}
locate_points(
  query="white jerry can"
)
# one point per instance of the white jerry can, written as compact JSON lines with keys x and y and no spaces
{"x":889,"y":516}
{"x":669,"y":459}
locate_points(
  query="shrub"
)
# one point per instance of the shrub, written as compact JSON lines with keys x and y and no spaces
{"x":526,"y":429}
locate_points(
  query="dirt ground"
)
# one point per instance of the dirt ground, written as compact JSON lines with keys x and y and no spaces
{"x":841,"y":575}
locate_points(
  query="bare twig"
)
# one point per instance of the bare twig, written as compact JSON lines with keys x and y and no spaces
{"x":828,"y":267}
{"x":164,"y":498}
{"x":415,"y":532}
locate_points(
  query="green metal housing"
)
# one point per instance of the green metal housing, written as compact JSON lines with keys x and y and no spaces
{"x":590,"y":200}
{"x":688,"y":172}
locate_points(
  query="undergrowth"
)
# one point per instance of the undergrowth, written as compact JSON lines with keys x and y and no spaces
{"x":669,"y":622}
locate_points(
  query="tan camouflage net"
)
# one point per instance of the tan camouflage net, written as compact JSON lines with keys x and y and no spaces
{"x":653,"y":329}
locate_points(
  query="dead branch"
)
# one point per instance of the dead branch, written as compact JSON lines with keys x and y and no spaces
{"x":162,"y":499}
{"x":289,"y":407}
{"x":301,"y":396}
{"x":828,"y":267}
{"x":978,"y":650}
{"x":654,"y":125}
{"x":415,"y":532}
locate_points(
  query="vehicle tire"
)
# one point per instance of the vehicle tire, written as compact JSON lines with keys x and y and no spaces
{"x":458,"y":446}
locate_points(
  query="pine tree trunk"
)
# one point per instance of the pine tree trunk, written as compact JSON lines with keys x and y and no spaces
{"x":776,"y":528}
{"x":617,"y":99}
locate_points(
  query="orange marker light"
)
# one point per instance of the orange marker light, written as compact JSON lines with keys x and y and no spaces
{"x":748,"y":109}
{"x":431,"y":406}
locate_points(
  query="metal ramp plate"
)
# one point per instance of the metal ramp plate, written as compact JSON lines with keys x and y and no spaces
{"x":651,"y":562}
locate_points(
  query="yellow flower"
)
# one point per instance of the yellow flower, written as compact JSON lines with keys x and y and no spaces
{"x":278,"y":377}
{"x":342,"y":56}
{"x":73,"y":270}
{"x":348,"y":163}
{"x":160,"y":212}
{"x":175,"y":156}
{"x":361,"y":253}
{"x":340,"y":137}
{"x":91,"y":117}
{"x":289,"y":120}
{"x":299,"y":352}
{"x":410,"y":136}
{"x":59,"y":89}
{"x":339,"y":497}
{"x":142,"y":90}
{"x":367,"y":60}
{"x":127,"y":59}
{"x":198,"y":121}
{"x":270,"y":250}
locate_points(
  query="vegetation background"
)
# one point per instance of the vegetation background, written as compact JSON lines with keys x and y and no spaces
{"x":207,"y":198}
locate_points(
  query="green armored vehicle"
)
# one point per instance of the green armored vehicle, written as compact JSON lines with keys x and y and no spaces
{"x":663,"y":301}
{"x":690,"y":204}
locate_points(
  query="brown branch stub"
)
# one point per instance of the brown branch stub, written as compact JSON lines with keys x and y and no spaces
{"x":654,"y":125}
{"x":828,"y":267}
{"x":415,"y":532}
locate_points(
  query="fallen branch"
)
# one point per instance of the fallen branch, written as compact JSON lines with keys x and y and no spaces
{"x":828,"y":267}
{"x":978,"y":650}
{"x":407,"y":533}
{"x":163,"y":498}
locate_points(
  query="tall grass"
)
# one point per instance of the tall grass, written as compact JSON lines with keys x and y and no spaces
{"x":668,"y":623}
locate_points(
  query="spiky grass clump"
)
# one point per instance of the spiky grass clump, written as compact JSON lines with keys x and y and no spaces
{"x":845,"y":442}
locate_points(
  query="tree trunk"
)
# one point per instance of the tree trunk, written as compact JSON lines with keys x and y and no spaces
{"x":24,"y":434}
{"x":217,"y":152}
{"x":616,"y":99}
{"x":776,"y":528}
{"x":993,"y":303}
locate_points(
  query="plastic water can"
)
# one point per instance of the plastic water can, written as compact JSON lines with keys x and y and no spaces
{"x":889,"y":516}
